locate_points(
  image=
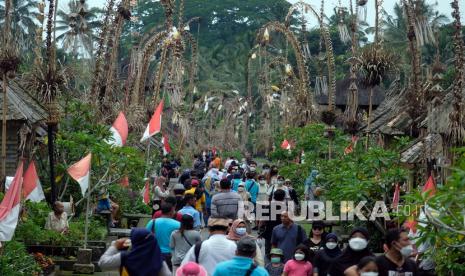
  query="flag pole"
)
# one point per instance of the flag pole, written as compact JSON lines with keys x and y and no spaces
{"x":147,"y":158}
{"x":86,"y":227}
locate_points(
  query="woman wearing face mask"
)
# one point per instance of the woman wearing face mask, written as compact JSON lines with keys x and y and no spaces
{"x":357,"y":249}
{"x":324,"y":258}
{"x":299,"y":266}
{"x":278,"y":184}
{"x":366,"y":267}
{"x":316,"y":238}
{"x":238,"y":231}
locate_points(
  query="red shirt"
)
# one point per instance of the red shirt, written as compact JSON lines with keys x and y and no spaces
{"x":178,"y":216}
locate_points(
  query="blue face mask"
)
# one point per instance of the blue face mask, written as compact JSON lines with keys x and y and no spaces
{"x":241,"y":231}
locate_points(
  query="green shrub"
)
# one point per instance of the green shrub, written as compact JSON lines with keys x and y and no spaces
{"x":15,"y":261}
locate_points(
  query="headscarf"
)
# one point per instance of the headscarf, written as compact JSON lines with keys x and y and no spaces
{"x":332,"y":253}
{"x":144,"y":258}
{"x":349,"y":256}
{"x":232,"y":235}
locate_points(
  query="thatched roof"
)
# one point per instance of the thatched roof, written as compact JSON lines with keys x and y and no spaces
{"x":430,"y":146}
{"x":438,"y":121}
{"x":342,"y":90}
{"x":21,"y":105}
{"x":390,"y":116}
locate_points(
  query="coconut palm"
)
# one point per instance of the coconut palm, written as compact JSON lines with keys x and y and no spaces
{"x":23,"y":21}
{"x":76,"y":27}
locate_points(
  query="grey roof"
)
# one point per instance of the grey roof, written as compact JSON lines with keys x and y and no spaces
{"x":21,"y":105}
{"x":427,"y":147}
{"x":342,"y":90}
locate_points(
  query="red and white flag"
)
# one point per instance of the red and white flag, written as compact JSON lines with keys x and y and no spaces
{"x":32,"y":189}
{"x":396,"y":197}
{"x":119,"y":131}
{"x":146,"y":192}
{"x":286,"y":145}
{"x":430,"y":187}
{"x":166,"y":145}
{"x":80,"y":171}
{"x":154,"y":125}
{"x":9,"y":208}
{"x":124,"y":181}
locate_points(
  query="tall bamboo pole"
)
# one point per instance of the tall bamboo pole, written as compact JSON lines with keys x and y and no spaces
{"x":4,"y":112}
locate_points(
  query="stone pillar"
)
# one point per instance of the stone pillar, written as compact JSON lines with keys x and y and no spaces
{"x":84,"y":263}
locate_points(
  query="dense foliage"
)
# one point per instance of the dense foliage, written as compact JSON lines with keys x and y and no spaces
{"x":15,"y":261}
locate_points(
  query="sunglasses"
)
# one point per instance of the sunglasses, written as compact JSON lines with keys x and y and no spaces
{"x":317,"y":228}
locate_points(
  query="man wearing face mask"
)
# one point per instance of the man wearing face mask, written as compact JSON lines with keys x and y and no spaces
{"x":357,"y":249}
{"x":396,"y":262}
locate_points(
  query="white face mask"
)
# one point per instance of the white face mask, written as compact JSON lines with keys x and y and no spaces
{"x":240,"y":189}
{"x":280,"y":182}
{"x":331,"y":245}
{"x":406,"y":251}
{"x":299,"y":256}
{"x":369,"y":274}
{"x":241,"y":231}
{"x":358,"y":244}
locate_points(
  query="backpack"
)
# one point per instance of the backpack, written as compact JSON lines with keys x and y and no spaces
{"x":251,"y":269}
{"x":299,"y":235}
{"x":197,"y":247}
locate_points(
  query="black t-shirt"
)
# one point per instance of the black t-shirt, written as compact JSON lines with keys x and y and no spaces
{"x":314,"y":247}
{"x":322,"y":262}
{"x":387,"y":268}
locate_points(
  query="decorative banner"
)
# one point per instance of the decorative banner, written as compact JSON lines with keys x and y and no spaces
{"x":9,"y":208}
{"x":154,"y":125}
{"x":166,"y":145}
{"x":350,"y":148}
{"x":396,"y":197}
{"x":286,"y":145}
{"x":80,"y":172}
{"x":119,"y":131}
{"x":430,"y":187}
{"x":146,"y":192}
{"x":32,"y":189}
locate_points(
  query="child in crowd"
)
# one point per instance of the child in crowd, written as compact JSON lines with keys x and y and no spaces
{"x":299,"y":266}
{"x":276,"y":266}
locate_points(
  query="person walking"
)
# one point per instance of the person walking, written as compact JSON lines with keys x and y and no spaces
{"x":325,"y":258}
{"x":142,"y":259}
{"x":357,"y":249}
{"x":396,"y":260}
{"x":299,"y":264}
{"x":366,"y":267}
{"x":238,"y":231}
{"x":226,"y":203}
{"x":217,"y":248}
{"x":276,"y":266}
{"x":242,"y":263}
{"x":182,"y":240}
{"x":162,"y":228}
{"x":287,"y":236}
{"x":191,"y":269}
{"x":159,"y":193}
{"x":189,"y":209}
{"x":315,"y":239}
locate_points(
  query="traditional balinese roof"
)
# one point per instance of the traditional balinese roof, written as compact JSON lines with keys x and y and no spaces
{"x":427,"y":147}
{"x":21,"y":105}
{"x":438,"y":120}
{"x":342,"y":90}
{"x":390,"y":116}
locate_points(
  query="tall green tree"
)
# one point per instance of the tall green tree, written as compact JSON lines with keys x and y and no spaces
{"x":77,"y":27}
{"x":23,"y":21}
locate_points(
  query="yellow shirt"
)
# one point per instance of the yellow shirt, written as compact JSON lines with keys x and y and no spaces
{"x":199,"y":202}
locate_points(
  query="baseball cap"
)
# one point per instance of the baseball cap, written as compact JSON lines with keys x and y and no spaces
{"x":194,"y":182}
{"x":276,"y":251}
{"x":246,"y":245}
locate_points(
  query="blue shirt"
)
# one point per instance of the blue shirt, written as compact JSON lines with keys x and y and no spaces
{"x":191,"y":211}
{"x":238,"y":266}
{"x":163,"y":229}
{"x":287,"y":239}
{"x":235,"y":184}
{"x":252,"y":187}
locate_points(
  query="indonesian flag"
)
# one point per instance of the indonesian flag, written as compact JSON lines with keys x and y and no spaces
{"x":146,"y":192}
{"x":32,"y":189}
{"x":124,"y":181}
{"x":154,"y":125}
{"x":80,"y":172}
{"x":411,"y":224}
{"x":9,"y":208}
{"x":119,"y":131}
{"x":286,"y":145}
{"x":396,"y":197}
{"x":429,"y":187}
{"x":166,"y":145}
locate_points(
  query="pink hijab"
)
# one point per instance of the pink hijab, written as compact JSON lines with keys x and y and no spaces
{"x":232,"y":235}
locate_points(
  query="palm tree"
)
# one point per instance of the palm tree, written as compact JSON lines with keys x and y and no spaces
{"x":23,"y":21}
{"x":77,"y":26}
